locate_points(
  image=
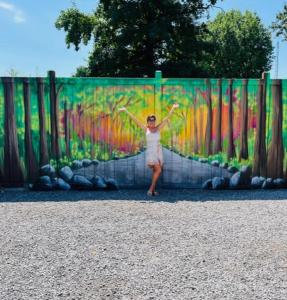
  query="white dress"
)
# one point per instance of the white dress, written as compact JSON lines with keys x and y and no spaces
{"x":154,"y":153}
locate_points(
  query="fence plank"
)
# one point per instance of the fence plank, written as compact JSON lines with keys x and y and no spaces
{"x":31,"y":163}
{"x":13,"y":173}
{"x":208,"y":133}
{"x":55,"y":150}
{"x":67,"y":114}
{"x":218,"y":120}
{"x":231,"y":148}
{"x":243,"y":152}
{"x":44,"y":156}
{"x":275,"y":149}
{"x":260,"y":157}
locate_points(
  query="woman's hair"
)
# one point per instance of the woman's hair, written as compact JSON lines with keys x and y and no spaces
{"x":151,"y":118}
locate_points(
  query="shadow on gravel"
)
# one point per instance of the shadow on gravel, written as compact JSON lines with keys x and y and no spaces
{"x":166,"y":195}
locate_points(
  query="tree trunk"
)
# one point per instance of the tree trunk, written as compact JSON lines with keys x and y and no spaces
{"x":55,"y":149}
{"x":208,"y":132}
{"x":44,"y":156}
{"x":231,"y":148}
{"x":218,"y":120}
{"x":67,"y":128}
{"x":31,"y":163}
{"x":13,"y":173}
{"x":200,"y":129}
{"x":259,"y":164}
{"x":93,"y":139}
{"x":1,"y":178}
{"x":196,"y":146}
{"x":276,"y":150}
{"x":243,"y":153}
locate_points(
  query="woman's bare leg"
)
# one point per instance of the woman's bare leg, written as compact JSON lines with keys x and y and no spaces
{"x":161,"y":167}
{"x":153,"y":170}
{"x":156,"y":174}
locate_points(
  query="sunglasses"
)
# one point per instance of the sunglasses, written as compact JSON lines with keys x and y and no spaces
{"x":151,"y":119}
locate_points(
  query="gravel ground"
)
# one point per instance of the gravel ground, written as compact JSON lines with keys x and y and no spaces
{"x":183,"y":244}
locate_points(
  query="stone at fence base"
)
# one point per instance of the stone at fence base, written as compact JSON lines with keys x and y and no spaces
{"x":239,"y":180}
{"x":224,"y":165}
{"x":246,"y":170}
{"x":218,"y":183}
{"x":95,"y":162}
{"x":48,"y":170}
{"x":76,"y":164}
{"x":226,"y":182}
{"x":43,"y":183}
{"x":61,"y":184}
{"x":232,"y":169}
{"x":86,"y":162}
{"x":268,"y":184}
{"x":66,"y":173}
{"x":203,"y":160}
{"x":98,"y":182}
{"x":111,"y":184}
{"x":79,"y":182}
{"x":215,"y":163}
{"x":256,"y":182}
{"x":279,"y":183}
{"x":207,"y":185}
{"x":242,"y":180}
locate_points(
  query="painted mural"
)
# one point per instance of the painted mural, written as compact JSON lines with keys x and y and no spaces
{"x":59,"y":120}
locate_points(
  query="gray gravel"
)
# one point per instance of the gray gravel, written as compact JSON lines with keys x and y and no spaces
{"x":183,"y":244}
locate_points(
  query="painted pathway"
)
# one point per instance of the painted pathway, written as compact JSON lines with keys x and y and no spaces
{"x":178,"y":171}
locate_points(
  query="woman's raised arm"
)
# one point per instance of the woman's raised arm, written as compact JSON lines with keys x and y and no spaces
{"x":134,"y":118}
{"x":164,"y":121}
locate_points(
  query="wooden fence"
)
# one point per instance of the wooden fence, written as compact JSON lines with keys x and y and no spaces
{"x":58,"y":120}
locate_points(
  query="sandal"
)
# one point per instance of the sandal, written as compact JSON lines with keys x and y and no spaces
{"x":149,"y":193}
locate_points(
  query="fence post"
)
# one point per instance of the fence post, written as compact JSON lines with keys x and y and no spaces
{"x":31,"y":164}
{"x":13,"y":173}
{"x":67,"y":114}
{"x":243,"y":153}
{"x":44,"y":156}
{"x":218,"y":120}
{"x":231,"y":148}
{"x":260,"y":156}
{"x":275,"y":149}
{"x":54,"y":116}
{"x":157,"y":100}
{"x":208,"y":132}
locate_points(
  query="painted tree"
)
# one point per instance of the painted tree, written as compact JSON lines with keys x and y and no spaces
{"x":243,"y":152}
{"x":67,"y":128}
{"x":13,"y":172}
{"x":44,"y":155}
{"x":54,"y":111}
{"x":196,"y":143}
{"x":30,"y":159}
{"x":218,"y":120}
{"x":208,"y":132}
{"x":230,"y":147}
{"x":276,"y":150}
{"x":260,"y":156}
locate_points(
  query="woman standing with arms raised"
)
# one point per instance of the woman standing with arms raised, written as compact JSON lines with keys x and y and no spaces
{"x":154,"y":153}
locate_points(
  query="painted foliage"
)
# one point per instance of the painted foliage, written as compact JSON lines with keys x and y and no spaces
{"x":58,"y":120}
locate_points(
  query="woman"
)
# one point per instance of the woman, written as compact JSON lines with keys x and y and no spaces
{"x":154,"y":156}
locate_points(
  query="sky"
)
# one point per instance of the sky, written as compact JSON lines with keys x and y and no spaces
{"x":31,"y":45}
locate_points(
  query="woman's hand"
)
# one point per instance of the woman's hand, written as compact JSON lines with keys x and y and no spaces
{"x":122,"y":109}
{"x":175,"y":105}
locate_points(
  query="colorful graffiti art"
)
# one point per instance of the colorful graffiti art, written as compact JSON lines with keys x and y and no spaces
{"x":61,"y":120}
